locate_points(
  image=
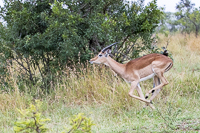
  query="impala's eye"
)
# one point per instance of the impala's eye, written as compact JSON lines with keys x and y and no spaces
{"x":100,"y":55}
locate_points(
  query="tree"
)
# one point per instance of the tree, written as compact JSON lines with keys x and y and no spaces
{"x":168,"y":24}
{"x":42,"y":37}
{"x":188,"y":16}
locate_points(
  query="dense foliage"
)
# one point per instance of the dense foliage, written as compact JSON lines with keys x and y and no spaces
{"x":45,"y":36}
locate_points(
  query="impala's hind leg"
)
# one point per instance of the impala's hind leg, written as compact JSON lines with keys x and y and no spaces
{"x":163,"y":83}
{"x":156,"y":83}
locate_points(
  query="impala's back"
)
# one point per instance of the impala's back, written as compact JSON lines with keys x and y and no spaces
{"x":146,"y":64}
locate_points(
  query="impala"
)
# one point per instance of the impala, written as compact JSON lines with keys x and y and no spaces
{"x":137,"y":70}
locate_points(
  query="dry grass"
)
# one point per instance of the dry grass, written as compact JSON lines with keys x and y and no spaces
{"x":96,"y":92}
{"x":180,"y":44}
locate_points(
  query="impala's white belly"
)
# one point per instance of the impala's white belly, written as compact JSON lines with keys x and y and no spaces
{"x":143,"y":79}
{"x":147,"y":77}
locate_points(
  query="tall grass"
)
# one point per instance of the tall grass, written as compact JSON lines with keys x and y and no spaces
{"x":95,"y":91}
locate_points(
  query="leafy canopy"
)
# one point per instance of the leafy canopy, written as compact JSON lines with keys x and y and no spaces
{"x":45,"y":36}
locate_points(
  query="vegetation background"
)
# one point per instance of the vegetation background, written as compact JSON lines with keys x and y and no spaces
{"x":44,"y":50}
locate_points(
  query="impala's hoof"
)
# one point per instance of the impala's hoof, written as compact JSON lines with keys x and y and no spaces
{"x":146,"y":96}
{"x":152,"y":91}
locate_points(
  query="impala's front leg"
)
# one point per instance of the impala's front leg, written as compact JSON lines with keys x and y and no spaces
{"x":140,"y":93}
{"x":133,"y":87}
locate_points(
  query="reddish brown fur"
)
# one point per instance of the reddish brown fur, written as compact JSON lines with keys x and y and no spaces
{"x":155,"y":60}
{"x":138,"y":70}
{"x":144,"y":61}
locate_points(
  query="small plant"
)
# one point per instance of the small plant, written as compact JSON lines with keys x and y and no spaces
{"x":31,"y":120}
{"x":80,"y":124}
{"x":170,"y":116}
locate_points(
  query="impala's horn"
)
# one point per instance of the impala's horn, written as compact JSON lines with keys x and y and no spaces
{"x":104,"y":49}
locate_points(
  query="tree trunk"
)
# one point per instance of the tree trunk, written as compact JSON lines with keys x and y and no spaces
{"x":197,"y":31}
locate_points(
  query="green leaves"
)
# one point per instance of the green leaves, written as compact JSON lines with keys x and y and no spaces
{"x":31,"y":120}
{"x":80,"y":124}
{"x":188,"y":17}
{"x":57,"y":7}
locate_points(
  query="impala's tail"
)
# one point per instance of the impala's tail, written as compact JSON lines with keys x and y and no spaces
{"x":165,"y":52}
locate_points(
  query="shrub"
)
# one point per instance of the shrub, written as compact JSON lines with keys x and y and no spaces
{"x":80,"y":124}
{"x":31,"y":120}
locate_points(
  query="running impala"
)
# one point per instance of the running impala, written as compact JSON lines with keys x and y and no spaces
{"x":137,"y":70}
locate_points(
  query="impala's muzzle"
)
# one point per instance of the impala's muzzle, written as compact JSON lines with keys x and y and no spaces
{"x":93,"y":59}
{"x":91,"y":62}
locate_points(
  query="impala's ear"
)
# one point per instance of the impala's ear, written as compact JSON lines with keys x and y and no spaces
{"x":107,"y":52}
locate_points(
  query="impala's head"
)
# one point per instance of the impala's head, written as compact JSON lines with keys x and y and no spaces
{"x":102,"y":56}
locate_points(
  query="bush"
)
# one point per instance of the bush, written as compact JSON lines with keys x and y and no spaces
{"x":80,"y":124}
{"x":41,"y":38}
{"x":31,"y":120}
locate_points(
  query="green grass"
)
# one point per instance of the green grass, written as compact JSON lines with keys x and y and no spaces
{"x":97,"y":93}
{"x":107,"y":120}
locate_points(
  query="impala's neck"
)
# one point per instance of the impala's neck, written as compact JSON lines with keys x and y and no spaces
{"x":115,"y":66}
